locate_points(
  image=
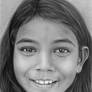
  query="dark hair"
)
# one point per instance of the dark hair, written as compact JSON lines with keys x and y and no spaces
{"x":59,"y":11}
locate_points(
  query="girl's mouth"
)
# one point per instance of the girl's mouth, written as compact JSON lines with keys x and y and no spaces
{"x":44,"y":83}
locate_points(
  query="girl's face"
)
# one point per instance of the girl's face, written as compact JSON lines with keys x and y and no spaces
{"x":46,"y":56}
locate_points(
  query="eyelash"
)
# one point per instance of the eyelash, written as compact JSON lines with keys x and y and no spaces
{"x":30,"y":51}
{"x":62,"y":51}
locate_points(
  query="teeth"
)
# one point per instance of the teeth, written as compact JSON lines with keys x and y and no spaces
{"x":44,"y":82}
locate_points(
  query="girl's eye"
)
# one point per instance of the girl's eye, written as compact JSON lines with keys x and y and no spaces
{"x":28,"y":51}
{"x":62,"y":52}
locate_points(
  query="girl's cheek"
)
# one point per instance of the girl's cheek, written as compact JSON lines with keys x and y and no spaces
{"x":22,"y":63}
{"x":67,"y":66}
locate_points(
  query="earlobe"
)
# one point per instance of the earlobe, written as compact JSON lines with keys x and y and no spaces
{"x":83,"y":58}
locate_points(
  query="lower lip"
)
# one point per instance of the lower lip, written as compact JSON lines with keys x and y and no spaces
{"x":43,"y":86}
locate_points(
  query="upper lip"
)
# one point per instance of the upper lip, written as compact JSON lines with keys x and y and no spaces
{"x":44,"y":80}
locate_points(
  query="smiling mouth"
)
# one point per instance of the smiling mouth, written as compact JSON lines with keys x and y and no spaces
{"x":44,"y":83}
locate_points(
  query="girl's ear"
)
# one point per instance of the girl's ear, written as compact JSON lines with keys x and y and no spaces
{"x":83,"y":58}
{"x":85,"y":54}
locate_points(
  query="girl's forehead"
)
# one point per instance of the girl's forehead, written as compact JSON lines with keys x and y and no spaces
{"x":47,"y":30}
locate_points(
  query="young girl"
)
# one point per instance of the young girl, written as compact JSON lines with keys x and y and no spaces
{"x":46,"y":48}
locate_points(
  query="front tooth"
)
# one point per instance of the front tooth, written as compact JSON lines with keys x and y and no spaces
{"x":50,"y":82}
{"x":40,"y":81}
{"x":46,"y":82}
{"x":43,"y":82}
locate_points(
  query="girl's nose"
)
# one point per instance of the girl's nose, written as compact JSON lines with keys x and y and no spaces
{"x":45,"y":63}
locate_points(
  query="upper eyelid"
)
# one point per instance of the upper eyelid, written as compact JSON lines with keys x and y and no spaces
{"x":55,"y":48}
{"x":25,"y":47}
{"x":69,"y":50}
{"x":31,"y":52}
{"x":60,"y":54}
{"x":62,"y":48}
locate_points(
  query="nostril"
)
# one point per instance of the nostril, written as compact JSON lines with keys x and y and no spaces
{"x":45,"y":70}
{"x":38,"y":69}
{"x":50,"y":70}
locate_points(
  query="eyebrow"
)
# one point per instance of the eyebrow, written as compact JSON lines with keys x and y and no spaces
{"x":64,"y":41}
{"x":26,"y":40}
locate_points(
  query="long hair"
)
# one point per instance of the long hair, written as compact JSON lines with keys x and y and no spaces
{"x":59,"y":11}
